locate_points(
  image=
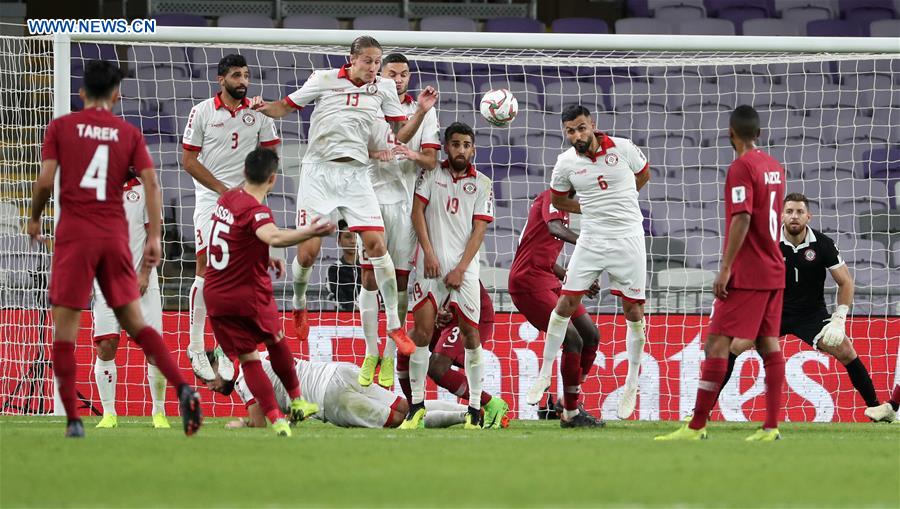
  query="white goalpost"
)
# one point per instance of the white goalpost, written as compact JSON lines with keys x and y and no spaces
{"x":830,"y":109}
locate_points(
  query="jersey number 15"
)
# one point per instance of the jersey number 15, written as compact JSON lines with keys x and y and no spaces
{"x":216,"y":240}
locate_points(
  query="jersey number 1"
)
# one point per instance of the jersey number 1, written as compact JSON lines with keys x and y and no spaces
{"x":95,"y":174}
{"x":216,"y":240}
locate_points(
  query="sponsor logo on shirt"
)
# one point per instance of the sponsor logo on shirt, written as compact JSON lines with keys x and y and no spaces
{"x":611,"y":159}
{"x":738,"y":194}
{"x":809,"y":254}
{"x":260,"y":216}
{"x":581,"y":171}
{"x":217,"y":124}
{"x":469,"y":308}
{"x":248,"y":119}
{"x":469,"y":188}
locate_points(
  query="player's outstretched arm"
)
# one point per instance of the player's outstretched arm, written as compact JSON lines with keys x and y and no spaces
{"x":277,"y":237}
{"x":455,"y":277}
{"x":432,"y":267}
{"x":272,"y":109}
{"x":43,"y":187}
{"x":844,"y":280}
{"x":563,"y":202}
{"x":427,"y":159}
{"x":153,"y":202}
{"x":737,"y":232}
{"x":560,"y":231}
{"x":641,"y":179}
{"x":190,"y":160}
{"x":255,"y":418}
{"x":406,"y":130}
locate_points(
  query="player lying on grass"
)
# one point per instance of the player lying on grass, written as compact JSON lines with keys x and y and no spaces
{"x":334,"y":387}
{"x":238,"y":290}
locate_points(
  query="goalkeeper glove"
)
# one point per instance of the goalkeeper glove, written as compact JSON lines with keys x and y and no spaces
{"x":834,"y":331}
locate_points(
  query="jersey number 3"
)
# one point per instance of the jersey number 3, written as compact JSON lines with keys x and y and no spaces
{"x":95,"y":174}
{"x":216,"y":240}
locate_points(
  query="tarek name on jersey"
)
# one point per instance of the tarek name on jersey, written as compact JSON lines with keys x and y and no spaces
{"x":806,"y":265}
{"x":606,"y":187}
{"x":314,"y":379}
{"x":452,"y":204}
{"x":224,"y":137}
{"x":345,"y":113}
{"x":394,"y":180}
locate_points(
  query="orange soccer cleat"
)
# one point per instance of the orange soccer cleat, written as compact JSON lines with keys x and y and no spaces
{"x":404,"y":345}
{"x":301,"y":325}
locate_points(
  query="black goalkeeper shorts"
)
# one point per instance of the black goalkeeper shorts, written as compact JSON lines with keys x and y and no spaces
{"x":806,"y":326}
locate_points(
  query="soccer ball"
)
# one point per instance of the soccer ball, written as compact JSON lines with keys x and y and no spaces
{"x":499,"y":107}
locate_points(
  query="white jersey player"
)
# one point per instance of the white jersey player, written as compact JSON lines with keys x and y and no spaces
{"x":606,"y":173}
{"x":452,"y":209}
{"x":393,"y":170}
{"x":107,"y":330}
{"x":341,"y":399}
{"x":219,"y":134}
{"x":333,"y":179}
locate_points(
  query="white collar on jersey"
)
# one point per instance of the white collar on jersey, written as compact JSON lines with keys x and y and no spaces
{"x":810,"y":238}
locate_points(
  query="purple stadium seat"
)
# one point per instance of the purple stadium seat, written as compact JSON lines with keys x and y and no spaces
{"x":714,"y":8}
{"x":864,"y":17}
{"x":245,"y":20}
{"x":833,"y":28}
{"x":638,"y":8}
{"x":311,"y":21}
{"x":885,"y":28}
{"x":883,"y":163}
{"x":180,"y":20}
{"x":380,"y":23}
{"x":448,"y":24}
{"x":738,"y":15}
{"x":579,"y":26}
{"x":848,"y":6}
{"x":706,"y":26}
{"x":676,"y":13}
{"x":644,"y":26}
{"x":514,"y":25}
{"x":769,"y":26}
{"x":805,"y":14}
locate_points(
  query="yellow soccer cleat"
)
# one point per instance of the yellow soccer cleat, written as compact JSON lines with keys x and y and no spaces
{"x":415,"y":419}
{"x":683,"y":433}
{"x":108,"y":421}
{"x":474,"y":419}
{"x":764,"y":435}
{"x":495,"y":414}
{"x":367,"y":370}
{"x":386,"y":373}
{"x":282,"y":428}
{"x":302,"y":409}
{"x":160,"y":421}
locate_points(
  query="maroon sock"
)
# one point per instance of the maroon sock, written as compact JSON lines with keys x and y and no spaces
{"x":403,"y":375}
{"x":152,"y":344}
{"x":283,"y":365}
{"x":588,"y":354}
{"x":455,"y":382}
{"x":570,"y":368}
{"x":261,"y":388}
{"x":774,"y":364}
{"x":712,"y":373}
{"x":64,"y":369}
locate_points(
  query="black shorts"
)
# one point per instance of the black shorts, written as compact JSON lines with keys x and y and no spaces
{"x":806,"y":326}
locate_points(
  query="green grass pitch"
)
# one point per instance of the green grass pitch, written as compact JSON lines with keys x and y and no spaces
{"x":532,"y":464}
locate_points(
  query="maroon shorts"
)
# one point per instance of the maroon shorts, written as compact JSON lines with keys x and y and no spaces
{"x":450,"y":344}
{"x":242,"y":334}
{"x":747,"y":314}
{"x":76,"y":264}
{"x":536,"y":306}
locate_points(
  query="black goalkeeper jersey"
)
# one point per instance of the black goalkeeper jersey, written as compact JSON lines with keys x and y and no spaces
{"x":806,"y":265}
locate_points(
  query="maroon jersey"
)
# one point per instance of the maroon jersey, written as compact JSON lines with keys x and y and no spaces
{"x":237,"y":282}
{"x":755,"y":185}
{"x":532,"y":268}
{"x":96,"y":152}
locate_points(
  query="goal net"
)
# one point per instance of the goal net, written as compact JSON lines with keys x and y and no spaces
{"x":830,"y":118}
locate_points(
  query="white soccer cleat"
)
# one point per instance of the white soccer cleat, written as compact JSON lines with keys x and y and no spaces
{"x":629,"y":397}
{"x":201,"y":366}
{"x":226,"y":367}
{"x":536,"y":392}
{"x":881,"y":413}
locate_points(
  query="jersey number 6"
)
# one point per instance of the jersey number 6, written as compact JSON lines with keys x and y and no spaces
{"x":602,"y":183}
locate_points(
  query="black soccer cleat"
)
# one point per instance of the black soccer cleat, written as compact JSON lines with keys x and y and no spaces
{"x":581,"y":421}
{"x":189,"y":403}
{"x":75,"y":429}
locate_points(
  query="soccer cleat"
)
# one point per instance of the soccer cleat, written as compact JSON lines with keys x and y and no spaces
{"x":581,"y":420}
{"x":201,"y":366}
{"x":474,"y":419}
{"x":881,"y":413}
{"x":226,"y":367}
{"x":189,"y":403}
{"x":628,"y":400}
{"x":108,"y":421}
{"x":386,"y":373}
{"x":683,"y":433}
{"x":495,"y":412}
{"x":302,"y":409}
{"x":764,"y":435}
{"x":367,"y":370}
{"x":282,"y":428}
{"x":536,"y":392}
{"x":160,"y":421}
{"x":301,"y":324}
{"x":415,"y":419}
{"x":75,"y":429}
{"x":404,"y":344}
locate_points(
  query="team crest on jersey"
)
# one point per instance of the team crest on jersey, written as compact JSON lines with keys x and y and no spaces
{"x":248,"y":119}
{"x":132,"y":196}
{"x":469,"y":188}
{"x":809,"y":254}
{"x":371,"y":89}
{"x":611,"y":159}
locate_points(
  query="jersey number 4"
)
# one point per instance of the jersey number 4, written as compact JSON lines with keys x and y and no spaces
{"x":216,"y":240}
{"x":95,"y":174}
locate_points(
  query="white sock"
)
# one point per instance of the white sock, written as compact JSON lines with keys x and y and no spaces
{"x":157,"y":383}
{"x":368,"y":312}
{"x":556,"y":333}
{"x":474,"y":375}
{"x":443,"y":418}
{"x":443,"y":406}
{"x":301,"y":280}
{"x":105,"y":373}
{"x":634,"y":345}
{"x":390,"y":349}
{"x":386,"y":277}
{"x":198,"y":315}
{"x":568,"y":414}
{"x":418,"y":371}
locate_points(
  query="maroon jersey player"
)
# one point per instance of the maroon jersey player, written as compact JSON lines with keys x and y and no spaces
{"x":93,"y":150}
{"x":750,"y":284}
{"x":238,"y":291}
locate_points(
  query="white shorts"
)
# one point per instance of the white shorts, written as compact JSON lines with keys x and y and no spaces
{"x":342,"y":188}
{"x":466,"y":301}
{"x":203,"y":211}
{"x":105,"y":323}
{"x":399,"y":235}
{"x":624,"y":259}
{"x":350,"y":405}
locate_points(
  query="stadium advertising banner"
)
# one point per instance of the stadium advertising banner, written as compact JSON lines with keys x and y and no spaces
{"x":817,"y":386}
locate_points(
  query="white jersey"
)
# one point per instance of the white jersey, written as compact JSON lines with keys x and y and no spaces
{"x":394,"y":180}
{"x":224,"y":138}
{"x":314,"y":380}
{"x":452,"y":205}
{"x":605,"y":185}
{"x":345,"y":113}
